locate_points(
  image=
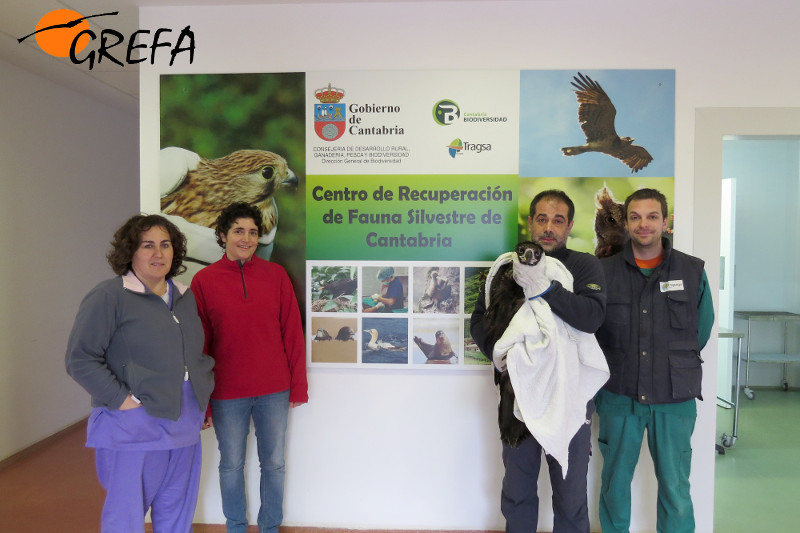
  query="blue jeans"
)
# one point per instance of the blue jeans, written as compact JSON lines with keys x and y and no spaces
{"x":270,"y":414}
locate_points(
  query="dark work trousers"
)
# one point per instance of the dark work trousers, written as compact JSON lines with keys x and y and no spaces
{"x":519,"y":500}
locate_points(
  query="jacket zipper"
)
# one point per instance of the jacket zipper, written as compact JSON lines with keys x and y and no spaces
{"x":241,"y":271}
{"x":183,"y":341}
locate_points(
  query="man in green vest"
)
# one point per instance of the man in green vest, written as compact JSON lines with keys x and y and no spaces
{"x":658,"y":318}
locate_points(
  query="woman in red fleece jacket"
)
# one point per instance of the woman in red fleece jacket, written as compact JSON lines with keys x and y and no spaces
{"x":253,"y":331}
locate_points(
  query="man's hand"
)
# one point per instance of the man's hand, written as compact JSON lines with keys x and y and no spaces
{"x":207,"y":423}
{"x":532,"y":279}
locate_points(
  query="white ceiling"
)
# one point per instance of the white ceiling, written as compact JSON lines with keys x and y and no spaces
{"x":106,"y":81}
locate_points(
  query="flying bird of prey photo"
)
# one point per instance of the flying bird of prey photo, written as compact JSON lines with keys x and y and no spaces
{"x":596,"y":115}
{"x":196,"y":189}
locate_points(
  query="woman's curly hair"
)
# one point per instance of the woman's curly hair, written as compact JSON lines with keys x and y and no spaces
{"x":128,"y":237}
{"x":234,"y":212}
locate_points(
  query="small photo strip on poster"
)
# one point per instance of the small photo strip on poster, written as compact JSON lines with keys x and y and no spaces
{"x":394,"y":314}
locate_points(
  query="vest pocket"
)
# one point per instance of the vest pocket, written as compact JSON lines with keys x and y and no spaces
{"x":678,"y":304}
{"x":615,"y":331}
{"x":686,"y":374}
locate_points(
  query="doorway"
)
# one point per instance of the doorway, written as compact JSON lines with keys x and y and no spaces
{"x":735,"y":487}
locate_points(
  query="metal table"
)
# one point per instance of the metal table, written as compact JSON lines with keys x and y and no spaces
{"x":730,"y":440}
{"x":785,"y":358}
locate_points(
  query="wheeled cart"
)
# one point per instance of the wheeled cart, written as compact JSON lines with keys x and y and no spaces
{"x":784,"y":358}
{"x":730,"y":440}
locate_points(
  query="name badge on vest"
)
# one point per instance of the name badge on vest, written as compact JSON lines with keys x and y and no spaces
{"x":674,"y":285}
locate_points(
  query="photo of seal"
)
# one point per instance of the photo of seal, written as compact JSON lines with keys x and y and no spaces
{"x":440,"y":350}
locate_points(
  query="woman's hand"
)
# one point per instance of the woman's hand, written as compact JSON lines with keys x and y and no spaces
{"x":129,"y":403}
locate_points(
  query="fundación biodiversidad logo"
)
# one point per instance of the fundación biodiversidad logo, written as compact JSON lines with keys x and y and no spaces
{"x":447,"y":113}
{"x":66,"y":33}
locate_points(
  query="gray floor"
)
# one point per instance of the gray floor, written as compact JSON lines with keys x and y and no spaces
{"x":757,"y":487}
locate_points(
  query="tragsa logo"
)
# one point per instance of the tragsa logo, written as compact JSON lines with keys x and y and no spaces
{"x":65,"y":33}
{"x":455,"y":148}
{"x":445,"y":112}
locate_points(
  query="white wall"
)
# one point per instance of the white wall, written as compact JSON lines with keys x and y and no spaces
{"x":725,"y":55}
{"x":68,"y":177}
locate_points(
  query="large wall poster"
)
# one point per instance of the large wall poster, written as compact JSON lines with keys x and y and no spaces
{"x":404,"y":186}
{"x":413,"y":174}
{"x":235,"y":137}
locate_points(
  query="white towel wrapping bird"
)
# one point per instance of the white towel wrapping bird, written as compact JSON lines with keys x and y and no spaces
{"x":554,"y":368}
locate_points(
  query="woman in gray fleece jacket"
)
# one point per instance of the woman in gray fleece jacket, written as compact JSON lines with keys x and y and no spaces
{"x":137,"y":348}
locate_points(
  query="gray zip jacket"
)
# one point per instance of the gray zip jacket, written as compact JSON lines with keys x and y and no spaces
{"x":125,"y":340}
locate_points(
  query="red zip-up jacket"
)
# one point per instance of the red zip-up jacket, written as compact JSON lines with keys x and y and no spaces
{"x":253,"y":329}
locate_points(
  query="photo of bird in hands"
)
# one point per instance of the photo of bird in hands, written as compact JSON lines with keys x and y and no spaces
{"x":596,"y":115}
{"x":505,"y":299}
{"x":196,"y":189}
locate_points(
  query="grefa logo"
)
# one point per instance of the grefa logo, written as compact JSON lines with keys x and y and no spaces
{"x":66,"y":33}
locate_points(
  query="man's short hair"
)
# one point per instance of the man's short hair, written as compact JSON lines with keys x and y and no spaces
{"x":647,"y":194}
{"x":553,"y":194}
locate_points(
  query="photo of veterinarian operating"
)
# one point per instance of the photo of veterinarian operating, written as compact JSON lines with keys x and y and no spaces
{"x":535,"y":319}
{"x":659,"y":317}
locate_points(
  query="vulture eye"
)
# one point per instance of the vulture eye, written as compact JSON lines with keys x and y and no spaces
{"x":268,"y":172}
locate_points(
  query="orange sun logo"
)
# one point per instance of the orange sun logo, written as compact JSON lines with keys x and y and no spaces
{"x":60,"y":29}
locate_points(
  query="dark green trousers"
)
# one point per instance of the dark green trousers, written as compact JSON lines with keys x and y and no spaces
{"x":623,"y":422}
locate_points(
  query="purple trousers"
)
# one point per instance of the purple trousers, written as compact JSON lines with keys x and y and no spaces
{"x":164,"y":481}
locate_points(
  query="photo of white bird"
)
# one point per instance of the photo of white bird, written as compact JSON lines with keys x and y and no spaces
{"x":375,"y":343}
{"x":384,"y":340}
